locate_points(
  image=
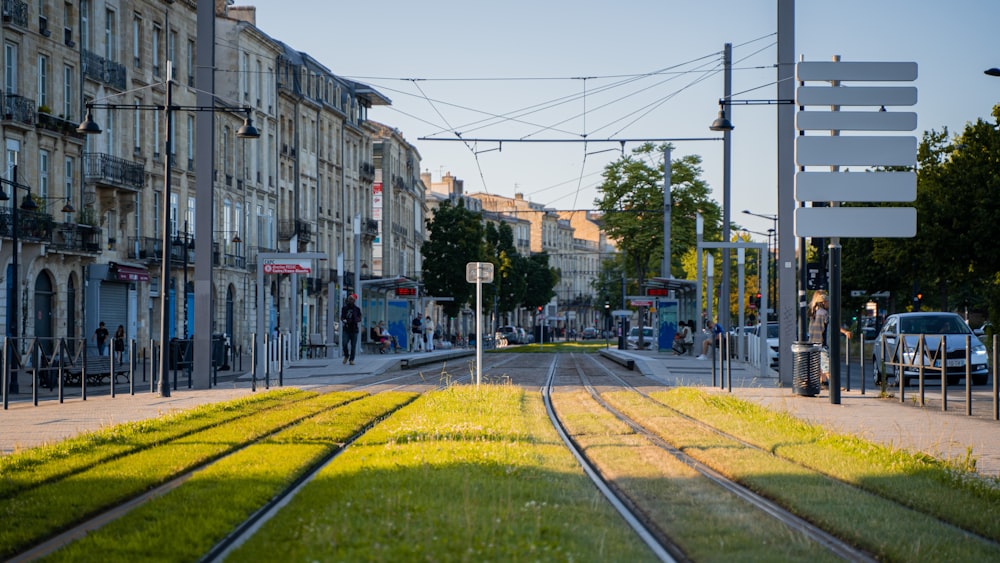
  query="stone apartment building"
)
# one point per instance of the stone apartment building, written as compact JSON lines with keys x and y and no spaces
{"x":91,"y":247}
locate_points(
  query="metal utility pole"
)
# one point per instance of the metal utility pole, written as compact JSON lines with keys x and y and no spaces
{"x":727,"y":173}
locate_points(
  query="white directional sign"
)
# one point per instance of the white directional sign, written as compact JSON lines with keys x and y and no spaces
{"x":832,"y":150}
{"x":479,"y":272}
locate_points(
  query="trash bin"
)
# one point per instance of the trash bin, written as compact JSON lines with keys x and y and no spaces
{"x":180,"y":353}
{"x":805,"y":369}
{"x":219,"y":351}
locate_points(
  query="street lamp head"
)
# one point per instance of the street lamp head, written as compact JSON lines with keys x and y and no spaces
{"x":247,"y":130}
{"x":237,"y":239}
{"x":721,"y":123}
{"x":992,"y":71}
{"x":88,"y":126}
{"x":28,"y":203}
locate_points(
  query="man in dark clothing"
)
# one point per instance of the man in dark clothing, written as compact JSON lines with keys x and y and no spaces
{"x":417,"y":329}
{"x":350,"y":319}
{"x":101,"y":337}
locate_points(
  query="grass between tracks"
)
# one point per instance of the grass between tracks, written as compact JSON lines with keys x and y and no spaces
{"x":195,"y":516}
{"x":848,"y":510}
{"x":45,"y":510}
{"x":23,"y":470}
{"x":706,"y":521}
{"x":463,"y":474}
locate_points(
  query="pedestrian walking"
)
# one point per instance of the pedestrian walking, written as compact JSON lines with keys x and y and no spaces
{"x":429,"y":334}
{"x":417,"y":334}
{"x":350,"y":319}
{"x":101,"y":337}
{"x":119,"y":344}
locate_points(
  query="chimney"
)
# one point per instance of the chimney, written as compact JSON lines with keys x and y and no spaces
{"x":243,"y":13}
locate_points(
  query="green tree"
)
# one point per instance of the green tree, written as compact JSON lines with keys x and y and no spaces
{"x":631,"y":204}
{"x":952,"y":259}
{"x":454,"y":238}
{"x":541,"y":280}
{"x":510,"y":282}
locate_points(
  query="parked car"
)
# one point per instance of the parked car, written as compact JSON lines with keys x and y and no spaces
{"x":509,"y":334}
{"x":523,"y":337}
{"x":647,"y":338}
{"x":589,"y":333}
{"x":772,"y":342}
{"x":897,"y":343}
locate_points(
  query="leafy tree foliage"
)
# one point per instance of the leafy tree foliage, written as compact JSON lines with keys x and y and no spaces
{"x":455,"y":237}
{"x":631,"y":203}
{"x":541,"y":280}
{"x":510,"y":284}
{"x":952,"y":260}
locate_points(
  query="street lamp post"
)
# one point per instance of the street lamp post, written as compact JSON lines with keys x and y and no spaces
{"x":90,"y":127}
{"x":28,"y":204}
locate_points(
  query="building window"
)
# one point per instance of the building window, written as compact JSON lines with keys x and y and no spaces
{"x":10,"y":68}
{"x":172,"y":53}
{"x":137,"y":41}
{"x":109,"y":132}
{"x":137,"y":128}
{"x":173,"y":214}
{"x":190,"y":142}
{"x":156,"y":136}
{"x":85,"y":24}
{"x":43,"y":81}
{"x":190,"y":62}
{"x":43,"y":173}
{"x":110,"y":37}
{"x":68,"y":78}
{"x":68,"y":181}
{"x":156,"y":50}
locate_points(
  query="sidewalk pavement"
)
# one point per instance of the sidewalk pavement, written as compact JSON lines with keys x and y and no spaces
{"x":24,"y":425}
{"x":946,"y":435}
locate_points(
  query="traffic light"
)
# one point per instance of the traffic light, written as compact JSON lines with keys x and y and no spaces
{"x":758,"y":300}
{"x":918,"y":300}
{"x":539,"y":308}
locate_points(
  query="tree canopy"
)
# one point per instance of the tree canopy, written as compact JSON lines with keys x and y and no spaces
{"x":455,"y":237}
{"x":952,"y":260}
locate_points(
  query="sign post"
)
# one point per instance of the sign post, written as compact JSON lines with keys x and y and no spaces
{"x":477,"y":273}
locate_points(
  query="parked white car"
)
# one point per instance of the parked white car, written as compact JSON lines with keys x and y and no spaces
{"x":648,"y":338}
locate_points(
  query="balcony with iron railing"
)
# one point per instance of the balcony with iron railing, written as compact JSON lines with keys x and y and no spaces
{"x":19,"y":110}
{"x":32,"y":226}
{"x":288,"y":228}
{"x":102,"y":70}
{"x":227,"y":254}
{"x":252,"y":254}
{"x":367,"y":171}
{"x":74,"y":237}
{"x":15,"y":12}
{"x":58,"y":125}
{"x":111,"y":171}
{"x":148,"y":249}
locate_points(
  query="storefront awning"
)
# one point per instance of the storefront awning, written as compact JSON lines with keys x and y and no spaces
{"x":128,"y":273}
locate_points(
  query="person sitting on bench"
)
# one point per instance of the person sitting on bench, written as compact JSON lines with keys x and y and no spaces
{"x":381,"y":337}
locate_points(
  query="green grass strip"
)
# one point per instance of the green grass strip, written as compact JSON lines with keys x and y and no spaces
{"x":51,"y":508}
{"x":29,"y":468}
{"x":464,"y":474}
{"x":949,"y":490}
{"x":186,"y":522}
{"x":875,"y":524}
{"x":680,"y":500}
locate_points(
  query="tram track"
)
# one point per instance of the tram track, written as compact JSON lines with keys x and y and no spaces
{"x":840,"y":536}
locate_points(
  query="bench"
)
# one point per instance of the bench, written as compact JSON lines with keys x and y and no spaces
{"x":99,"y":371}
{"x":316,"y":348}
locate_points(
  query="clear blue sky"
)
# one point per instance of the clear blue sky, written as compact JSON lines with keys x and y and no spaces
{"x":515,"y":69}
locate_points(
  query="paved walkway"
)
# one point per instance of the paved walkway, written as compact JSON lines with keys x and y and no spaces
{"x":944,"y":434}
